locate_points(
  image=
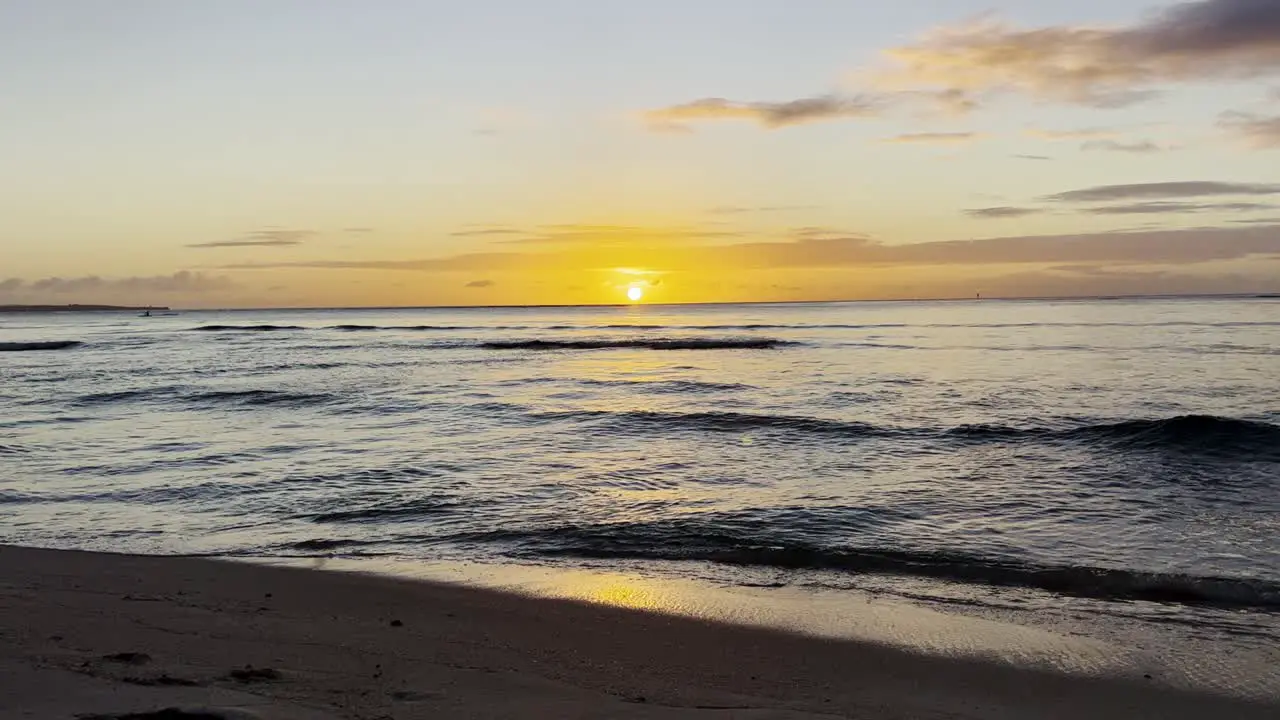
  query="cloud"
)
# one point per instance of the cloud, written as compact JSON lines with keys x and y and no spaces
{"x":1256,"y":131}
{"x":935,"y":137}
{"x":1093,"y":133}
{"x":1200,"y":188}
{"x":606,"y":235}
{"x":1161,"y":207}
{"x":1033,"y":157}
{"x":358,"y":230}
{"x":127,"y":290}
{"x":481,"y":284}
{"x":1141,"y":248}
{"x":488,"y":232}
{"x":262,"y":238}
{"x":1206,"y":40}
{"x":1002,"y":212}
{"x":770,"y":115}
{"x":1140,"y":147}
{"x":742,"y":210}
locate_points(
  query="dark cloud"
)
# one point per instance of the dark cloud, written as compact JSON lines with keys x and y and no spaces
{"x":262,"y":238}
{"x":1140,"y":147}
{"x":1190,"y":189}
{"x":1103,"y":67}
{"x":1162,"y":207}
{"x":481,"y":284}
{"x":770,"y":115}
{"x":1261,"y":132}
{"x":1002,"y":212}
{"x":943,"y":138}
{"x":1033,"y":157}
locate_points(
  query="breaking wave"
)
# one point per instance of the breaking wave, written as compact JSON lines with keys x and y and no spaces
{"x":731,"y":541}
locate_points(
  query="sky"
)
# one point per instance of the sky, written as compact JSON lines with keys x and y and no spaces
{"x":418,"y":152}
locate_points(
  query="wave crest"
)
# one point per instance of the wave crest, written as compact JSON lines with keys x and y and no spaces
{"x":246,"y":328}
{"x":647,"y":344}
{"x":38,"y":345}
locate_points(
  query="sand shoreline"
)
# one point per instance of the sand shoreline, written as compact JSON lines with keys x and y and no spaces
{"x":111,"y":634}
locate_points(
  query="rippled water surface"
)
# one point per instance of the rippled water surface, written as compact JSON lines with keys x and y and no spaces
{"x":1123,"y":453}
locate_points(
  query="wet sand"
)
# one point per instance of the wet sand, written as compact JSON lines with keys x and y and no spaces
{"x":90,"y":634}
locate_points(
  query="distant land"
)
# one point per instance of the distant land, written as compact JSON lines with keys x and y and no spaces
{"x":73,"y":308}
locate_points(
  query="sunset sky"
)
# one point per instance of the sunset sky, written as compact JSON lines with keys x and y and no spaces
{"x":417,"y":152}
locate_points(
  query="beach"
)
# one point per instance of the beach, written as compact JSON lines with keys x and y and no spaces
{"x":106,"y":635}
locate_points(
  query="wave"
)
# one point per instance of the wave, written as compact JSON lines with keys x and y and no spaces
{"x":1188,"y":434}
{"x":321,"y":545}
{"x":38,"y":345}
{"x":183,"y":394}
{"x":395,"y":511}
{"x":718,"y":421}
{"x":408,"y":328}
{"x":246,"y":328}
{"x":678,"y":387}
{"x":262,"y":397}
{"x":654,"y":344}
{"x":1202,"y":434}
{"x":732,"y":543}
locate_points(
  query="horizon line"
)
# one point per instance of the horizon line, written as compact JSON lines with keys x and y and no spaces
{"x":1007,"y":298}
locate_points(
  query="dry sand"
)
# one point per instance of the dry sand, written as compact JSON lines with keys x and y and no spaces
{"x":119,"y":636}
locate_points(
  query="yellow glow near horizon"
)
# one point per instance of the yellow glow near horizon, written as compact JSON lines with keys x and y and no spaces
{"x":635,"y":293}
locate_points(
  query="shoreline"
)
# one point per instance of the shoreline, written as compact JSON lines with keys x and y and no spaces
{"x":114,"y":634}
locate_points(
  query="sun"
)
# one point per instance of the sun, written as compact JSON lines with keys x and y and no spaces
{"x":635,"y":293}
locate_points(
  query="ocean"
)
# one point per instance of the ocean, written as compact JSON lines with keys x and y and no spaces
{"x":1084,"y":459}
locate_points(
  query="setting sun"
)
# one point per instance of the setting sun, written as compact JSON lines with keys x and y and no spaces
{"x":635,"y":293}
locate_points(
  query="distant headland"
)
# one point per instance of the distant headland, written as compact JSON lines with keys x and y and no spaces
{"x":75,"y":308}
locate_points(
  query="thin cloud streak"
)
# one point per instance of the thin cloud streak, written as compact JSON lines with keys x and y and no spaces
{"x":1002,"y":212}
{"x":942,"y":138}
{"x":769,"y":115}
{"x":1190,"y":189}
{"x":1093,"y":133}
{"x":1159,"y":207}
{"x":262,"y":238}
{"x":1141,"y":147}
{"x":487,"y":232}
